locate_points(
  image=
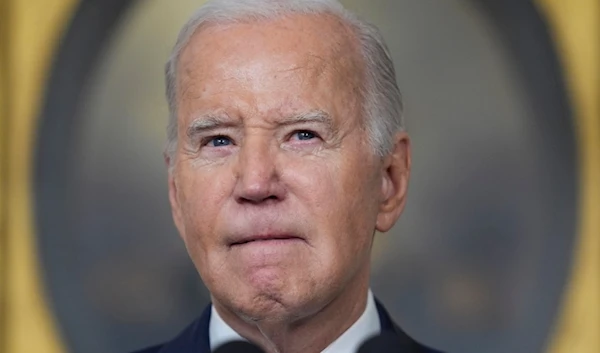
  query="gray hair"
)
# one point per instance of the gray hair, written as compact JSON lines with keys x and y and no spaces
{"x":382,"y":101}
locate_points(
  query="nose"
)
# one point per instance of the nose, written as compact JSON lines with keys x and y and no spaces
{"x":257,"y":176}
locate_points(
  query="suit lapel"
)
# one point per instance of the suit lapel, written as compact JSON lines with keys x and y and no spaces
{"x":406,"y":344}
{"x":194,"y":339}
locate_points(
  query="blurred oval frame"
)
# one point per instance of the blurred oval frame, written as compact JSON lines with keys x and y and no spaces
{"x":524,"y":34}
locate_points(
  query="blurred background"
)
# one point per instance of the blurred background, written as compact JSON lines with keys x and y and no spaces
{"x":498,"y":249}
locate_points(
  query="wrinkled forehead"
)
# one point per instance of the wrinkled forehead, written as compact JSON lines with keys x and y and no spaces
{"x":321,"y":43}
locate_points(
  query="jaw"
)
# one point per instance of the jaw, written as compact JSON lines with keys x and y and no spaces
{"x":290,"y":330}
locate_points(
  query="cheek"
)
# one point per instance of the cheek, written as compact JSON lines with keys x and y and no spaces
{"x":357,"y":190}
{"x":339,"y":196}
{"x":313,"y":182}
{"x":202,"y":193}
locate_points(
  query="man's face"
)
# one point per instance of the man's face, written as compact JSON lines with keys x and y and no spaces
{"x":275,"y":189}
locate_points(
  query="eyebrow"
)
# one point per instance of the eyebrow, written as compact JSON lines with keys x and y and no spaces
{"x":210,"y":122}
{"x":313,"y":116}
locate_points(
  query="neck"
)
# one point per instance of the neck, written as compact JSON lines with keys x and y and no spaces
{"x":308,"y":334}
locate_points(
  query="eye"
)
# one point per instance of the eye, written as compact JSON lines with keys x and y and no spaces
{"x":305,"y":135}
{"x":218,"y":141}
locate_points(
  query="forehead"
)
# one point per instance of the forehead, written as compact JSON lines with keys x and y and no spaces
{"x":315,"y":44}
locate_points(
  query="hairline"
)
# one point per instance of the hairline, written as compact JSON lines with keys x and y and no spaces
{"x":356,"y":28}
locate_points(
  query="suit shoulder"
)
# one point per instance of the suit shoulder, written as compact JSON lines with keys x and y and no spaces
{"x":193,"y":338}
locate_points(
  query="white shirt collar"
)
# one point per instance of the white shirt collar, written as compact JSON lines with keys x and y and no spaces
{"x":365,"y":327}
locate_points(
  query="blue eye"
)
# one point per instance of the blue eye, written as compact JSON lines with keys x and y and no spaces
{"x":305,"y":135}
{"x":219,"y":141}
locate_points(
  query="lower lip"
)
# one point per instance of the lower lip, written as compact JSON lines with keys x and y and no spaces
{"x":269,"y":250}
{"x":265,"y":262}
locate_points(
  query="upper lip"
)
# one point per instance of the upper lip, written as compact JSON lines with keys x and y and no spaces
{"x":254,"y":237}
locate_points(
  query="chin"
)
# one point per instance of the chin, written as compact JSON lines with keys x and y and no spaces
{"x":269,"y":304}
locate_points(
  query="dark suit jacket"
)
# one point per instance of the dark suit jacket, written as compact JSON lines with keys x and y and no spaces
{"x":194,"y":339}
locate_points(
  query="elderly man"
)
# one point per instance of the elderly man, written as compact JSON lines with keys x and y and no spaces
{"x":286,"y":153}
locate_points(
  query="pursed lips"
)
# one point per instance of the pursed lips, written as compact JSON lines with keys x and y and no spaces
{"x":264,"y":237}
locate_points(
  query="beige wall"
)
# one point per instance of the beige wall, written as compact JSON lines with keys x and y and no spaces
{"x":32,"y":30}
{"x":576,"y":25}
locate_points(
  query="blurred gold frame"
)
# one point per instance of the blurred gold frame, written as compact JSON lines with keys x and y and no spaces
{"x":29,"y":33}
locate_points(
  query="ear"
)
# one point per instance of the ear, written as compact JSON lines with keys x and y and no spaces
{"x":173,"y":195}
{"x":394,"y":183}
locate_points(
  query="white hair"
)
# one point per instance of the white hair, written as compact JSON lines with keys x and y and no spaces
{"x":382,"y":101}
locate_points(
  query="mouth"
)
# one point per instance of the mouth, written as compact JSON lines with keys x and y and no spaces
{"x":266,"y":238}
